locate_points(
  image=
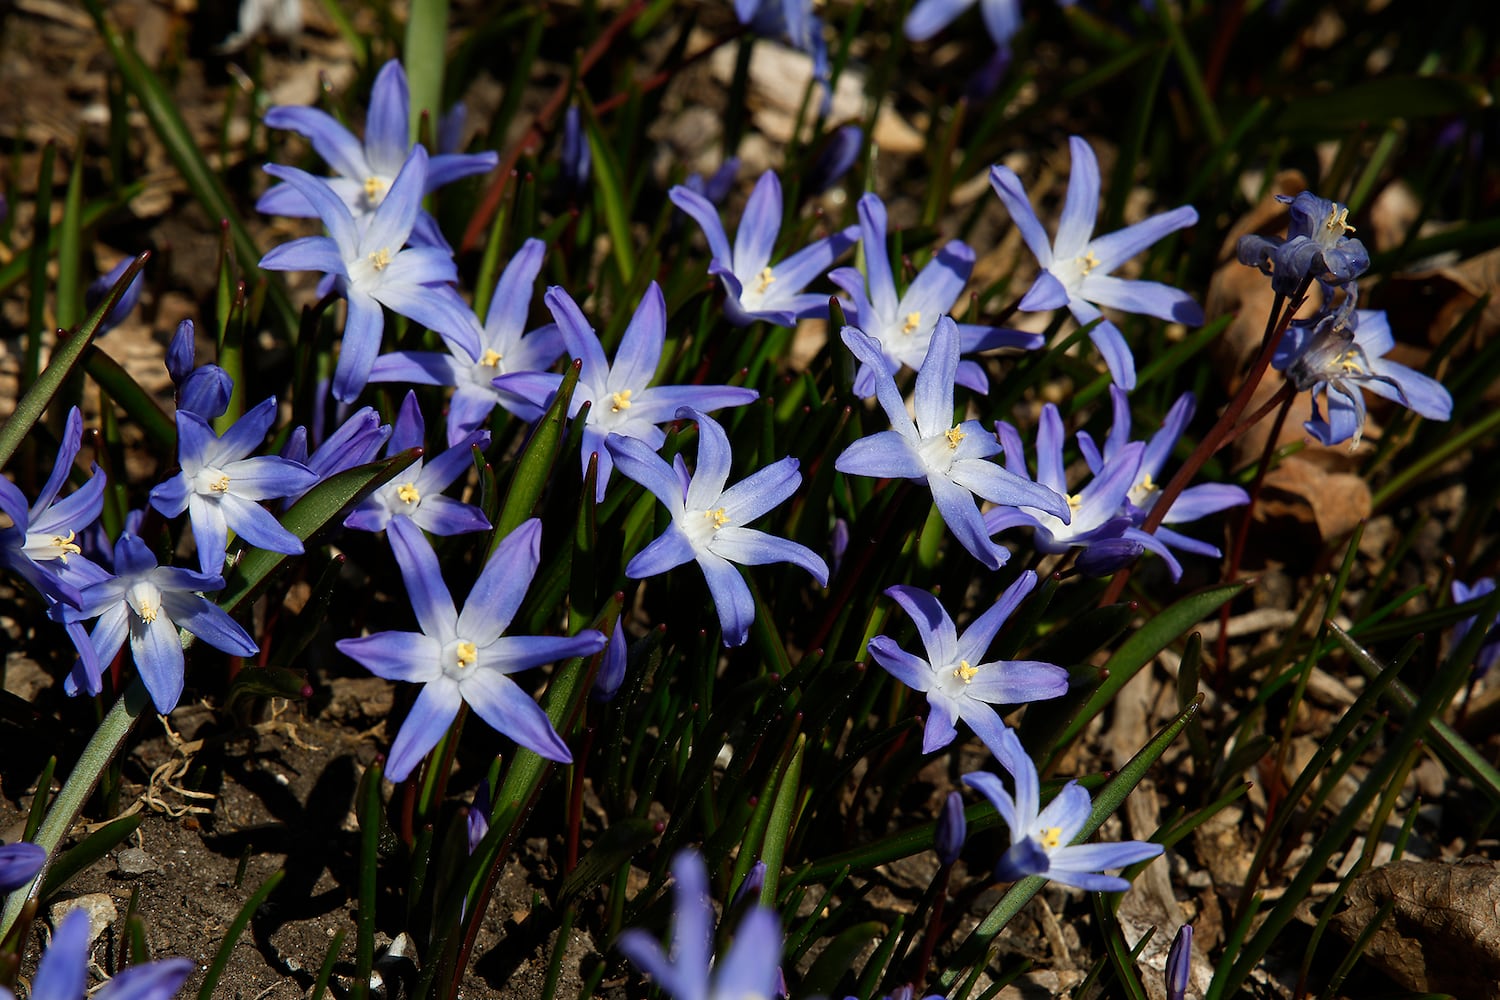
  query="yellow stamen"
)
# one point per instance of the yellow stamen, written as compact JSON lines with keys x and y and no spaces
{"x":220,"y":485}
{"x":148,"y":613}
{"x":1147,"y":483}
{"x":913,"y":320}
{"x":1349,"y":363}
{"x":467,"y":654}
{"x":1087,"y":263}
{"x":1075,"y":501}
{"x":381,"y":259}
{"x":764,"y":280}
{"x":964,"y":672}
{"x":374,"y":188}
{"x":619,"y":400}
{"x":1338,"y":220}
{"x":407,"y":493}
{"x":1052,"y":837}
{"x":954,"y":436}
{"x":69,"y":548}
{"x":719,"y":517}
{"x":491,"y":358}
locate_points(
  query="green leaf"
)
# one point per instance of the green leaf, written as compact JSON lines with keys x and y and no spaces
{"x":534,"y":467}
{"x":616,"y":845}
{"x":95,"y":846}
{"x":1359,"y":105}
{"x":65,"y":356}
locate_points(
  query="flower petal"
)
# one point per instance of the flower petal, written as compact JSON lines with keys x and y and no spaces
{"x":430,"y":716}
{"x":430,"y":599}
{"x":396,"y":656}
{"x":510,"y":711}
{"x":502,"y":586}
{"x":1081,"y":207}
{"x":1013,"y":195}
{"x":759,"y":225}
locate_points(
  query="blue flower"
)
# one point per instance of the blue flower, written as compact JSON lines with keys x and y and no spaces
{"x":1101,"y":517}
{"x":1180,"y":963}
{"x":708,"y":521}
{"x":354,"y":442}
{"x":417,"y":493}
{"x":716,"y":186}
{"x":1042,"y":840}
{"x":622,"y":399}
{"x":502,"y":349}
{"x":576,"y":158}
{"x":367,"y":171}
{"x":952,"y":458}
{"x":1076,"y":266}
{"x":1315,"y":246}
{"x":63,"y":971}
{"x":903,"y":326}
{"x":952,"y":829}
{"x":612,"y":670}
{"x":1342,"y":354}
{"x":1002,"y":18}
{"x":220,"y":487}
{"x":367,"y":265}
{"x":793,"y":21}
{"x":837,"y":157}
{"x":201,"y":389}
{"x":957,"y":680}
{"x":466,"y":657}
{"x":1489,"y":650}
{"x":19,"y":863}
{"x":100,"y":288}
{"x":749,"y":971}
{"x":148,"y":604}
{"x":42,"y":543}
{"x":757,"y":289}
{"x":1191,"y":504}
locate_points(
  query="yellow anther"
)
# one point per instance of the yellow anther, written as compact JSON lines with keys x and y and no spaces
{"x":466,"y":654}
{"x":491,"y":358}
{"x":374,"y":188}
{"x":764,"y":280}
{"x":381,"y":259}
{"x":964,"y":672}
{"x":1052,"y":837}
{"x":148,"y":613}
{"x":913,"y":320}
{"x":68,"y":546}
{"x":619,"y":400}
{"x":719,"y":517}
{"x":1349,"y":363}
{"x":954,"y":436}
{"x":1087,"y":263}
{"x":1147,"y":483}
{"x":1075,"y":501}
{"x":407,"y":493}
{"x":1338,"y":220}
{"x":220,"y":485}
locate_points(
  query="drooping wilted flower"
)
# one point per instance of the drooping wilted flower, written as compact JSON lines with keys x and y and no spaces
{"x":957,"y":680}
{"x":1316,"y":246}
{"x":1342,"y":354}
{"x":708,"y":521}
{"x":1076,"y":265}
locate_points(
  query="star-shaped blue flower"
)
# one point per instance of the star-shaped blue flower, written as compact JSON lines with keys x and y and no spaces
{"x":755,"y":288}
{"x":63,"y":971}
{"x":708,"y":521}
{"x":466,"y":657}
{"x":1076,"y":265}
{"x":957,"y":680}
{"x":951,"y":457}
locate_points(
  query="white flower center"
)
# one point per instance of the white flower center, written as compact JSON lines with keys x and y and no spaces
{"x":211,"y":482}
{"x":59,"y":547}
{"x":701,"y":525}
{"x":144,"y":598}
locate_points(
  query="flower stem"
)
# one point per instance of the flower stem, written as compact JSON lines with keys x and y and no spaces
{"x":65,"y":808}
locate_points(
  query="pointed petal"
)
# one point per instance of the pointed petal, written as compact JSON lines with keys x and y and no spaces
{"x":208,"y":622}
{"x":939,"y":636}
{"x":882,"y":284}
{"x":908,"y":668}
{"x":746,"y":970}
{"x":668,"y":551}
{"x":396,"y":656}
{"x":703,"y":212}
{"x":1013,"y":195}
{"x":157,"y":649}
{"x":1045,"y":293}
{"x":502,"y":586}
{"x":1148,"y":298}
{"x":937,"y":287}
{"x":333,"y":142}
{"x":430,"y":716}
{"x":755,"y":495}
{"x":883,"y":455}
{"x":759,"y":225}
{"x":329,"y":207}
{"x":511,"y":303}
{"x":388,"y":126}
{"x":645,"y":466}
{"x":933,"y":398}
{"x":976,"y":639}
{"x":257,"y":525}
{"x":929,"y":17}
{"x":992,"y":788}
{"x":798,"y":271}
{"x":500,"y":701}
{"x":1082,"y":205}
{"x":430,"y":599}
{"x":362,"y":334}
{"x":309,"y":253}
{"x":582,"y":342}
{"x":1116,"y":248}
{"x":641,"y":344}
{"x":707,"y":484}
{"x":750,"y":547}
{"x":731,"y":597}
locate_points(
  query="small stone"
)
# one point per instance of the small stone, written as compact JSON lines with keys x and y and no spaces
{"x":134,"y":861}
{"x":99,"y":907}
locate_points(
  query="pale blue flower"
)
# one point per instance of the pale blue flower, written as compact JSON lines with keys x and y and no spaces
{"x":622,"y":399}
{"x":504,"y":347}
{"x":147,"y":604}
{"x":354,"y":442}
{"x":366,"y":171}
{"x":19,"y":863}
{"x":755,"y":288}
{"x":957,"y":680}
{"x":1042,"y":839}
{"x":749,"y":971}
{"x":951,"y":457}
{"x":221,"y":487}
{"x":1315,"y":246}
{"x":903,"y":325}
{"x":466,"y":657}
{"x":417,"y":491}
{"x":708,"y":521}
{"x":1343,"y":354}
{"x":367,"y":265}
{"x":1076,"y":265}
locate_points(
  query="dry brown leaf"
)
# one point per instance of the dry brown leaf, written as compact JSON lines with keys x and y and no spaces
{"x":1444,"y":931}
{"x":1334,"y":502}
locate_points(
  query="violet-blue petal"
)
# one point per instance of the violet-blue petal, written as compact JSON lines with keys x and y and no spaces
{"x":431,"y":714}
{"x":148,"y":981}
{"x":19,"y":862}
{"x":208,"y":622}
{"x":1081,"y":206}
{"x":63,"y":971}
{"x":1013,"y":195}
{"x":750,"y":547}
{"x":731,"y":596}
{"x":669,"y":551}
{"x":396,"y":656}
{"x":929,"y":17}
{"x":759,"y":225}
{"x":333,"y":142}
{"x":702,"y":211}
{"x":939,"y":636}
{"x":388,"y":126}
{"x":431,"y":601}
{"x":499,"y":701}
{"x":908,"y":668}
{"x":501,"y":587}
